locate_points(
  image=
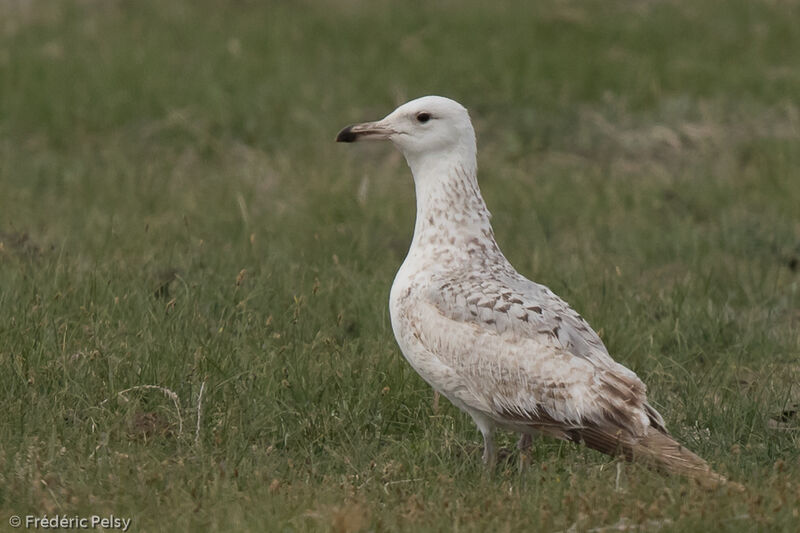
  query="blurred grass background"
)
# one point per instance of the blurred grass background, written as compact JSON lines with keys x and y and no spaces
{"x":174,"y":212}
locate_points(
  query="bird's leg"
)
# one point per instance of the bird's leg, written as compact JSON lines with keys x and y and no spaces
{"x":486,"y":426}
{"x":489,"y":451}
{"x":524,"y":445}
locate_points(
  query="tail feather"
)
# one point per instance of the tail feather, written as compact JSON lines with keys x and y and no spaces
{"x":656,"y":448}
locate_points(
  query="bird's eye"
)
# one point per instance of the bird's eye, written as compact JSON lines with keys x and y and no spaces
{"x":423,"y":117}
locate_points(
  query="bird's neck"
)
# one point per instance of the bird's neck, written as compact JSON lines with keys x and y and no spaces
{"x":451,"y":213}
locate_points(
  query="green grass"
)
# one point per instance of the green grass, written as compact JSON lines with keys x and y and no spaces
{"x":174,"y":212}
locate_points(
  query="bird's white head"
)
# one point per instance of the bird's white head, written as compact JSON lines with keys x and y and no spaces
{"x":425,"y":129}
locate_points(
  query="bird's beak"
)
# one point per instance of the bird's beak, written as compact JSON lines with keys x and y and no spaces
{"x":365,"y":131}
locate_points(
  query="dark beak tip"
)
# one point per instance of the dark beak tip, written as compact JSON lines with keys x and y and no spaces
{"x":346,"y":135}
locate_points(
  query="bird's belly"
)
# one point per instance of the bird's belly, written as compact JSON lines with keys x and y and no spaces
{"x":437,"y":373}
{"x":408,"y":339}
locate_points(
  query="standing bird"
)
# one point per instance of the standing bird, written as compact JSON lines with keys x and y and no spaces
{"x":504,"y":349}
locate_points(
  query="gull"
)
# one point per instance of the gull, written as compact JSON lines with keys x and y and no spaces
{"x":502,"y":348}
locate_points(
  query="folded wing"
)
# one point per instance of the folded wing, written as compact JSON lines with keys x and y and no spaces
{"x":523,"y":356}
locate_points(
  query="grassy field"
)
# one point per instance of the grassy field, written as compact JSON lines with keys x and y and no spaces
{"x":194,"y":277}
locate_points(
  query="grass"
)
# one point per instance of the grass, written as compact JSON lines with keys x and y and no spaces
{"x":174,"y":213}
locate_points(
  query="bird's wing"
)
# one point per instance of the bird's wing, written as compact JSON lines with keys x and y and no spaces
{"x":516,"y":306}
{"x":524,"y":355}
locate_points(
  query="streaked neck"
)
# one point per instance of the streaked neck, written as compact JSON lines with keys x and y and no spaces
{"x":450,"y":209}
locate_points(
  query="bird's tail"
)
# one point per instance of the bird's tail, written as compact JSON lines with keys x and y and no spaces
{"x":657,"y":449}
{"x":666,"y":453}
